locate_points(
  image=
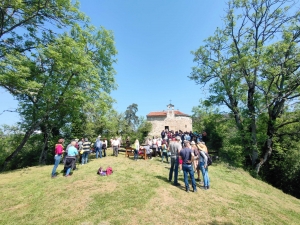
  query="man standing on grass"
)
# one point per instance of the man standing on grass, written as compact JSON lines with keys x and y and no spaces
{"x":187,"y":157}
{"x":98,"y":147}
{"x":174,"y":148}
{"x":86,"y":147}
{"x":116,"y":145}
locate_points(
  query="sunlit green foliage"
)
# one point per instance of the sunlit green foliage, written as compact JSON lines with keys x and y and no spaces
{"x":251,"y":66}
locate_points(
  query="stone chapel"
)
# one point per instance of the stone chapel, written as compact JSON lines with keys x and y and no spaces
{"x":170,"y":119}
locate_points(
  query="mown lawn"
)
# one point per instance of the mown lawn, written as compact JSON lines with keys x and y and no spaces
{"x":138,"y":192}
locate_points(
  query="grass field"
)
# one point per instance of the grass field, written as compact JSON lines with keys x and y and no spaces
{"x":138,"y":192}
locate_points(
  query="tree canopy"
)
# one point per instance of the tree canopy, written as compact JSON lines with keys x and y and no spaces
{"x":252,"y":67}
{"x":24,"y":25}
{"x":131,"y":117}
{"x":57,"y":78}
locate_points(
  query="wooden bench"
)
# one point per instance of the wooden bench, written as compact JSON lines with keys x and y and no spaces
{"x":129,"y":151}
{"x":122,"y":149}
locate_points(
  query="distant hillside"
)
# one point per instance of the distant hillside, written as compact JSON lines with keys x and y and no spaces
{"x":138,"y":192}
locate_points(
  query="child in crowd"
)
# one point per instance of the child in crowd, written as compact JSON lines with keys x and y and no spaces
{"x":180,"y":165}
{"x":164,"y":153}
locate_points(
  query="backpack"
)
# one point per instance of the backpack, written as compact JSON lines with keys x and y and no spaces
{"x":109,"y":171}
{"x":209,"y":159}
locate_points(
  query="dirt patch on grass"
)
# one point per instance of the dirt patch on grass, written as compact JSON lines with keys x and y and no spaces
{"x":18,"y":207}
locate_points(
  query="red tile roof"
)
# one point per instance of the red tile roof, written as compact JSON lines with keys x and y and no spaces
{"x":164,"y":113}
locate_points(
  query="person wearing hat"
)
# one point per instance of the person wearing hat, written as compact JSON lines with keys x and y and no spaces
{"x":202,"y":145}
{"x":174,"y":148}
{"x":202,"y":165}
{"x":187,"y":157}
{"x":59,"y":149}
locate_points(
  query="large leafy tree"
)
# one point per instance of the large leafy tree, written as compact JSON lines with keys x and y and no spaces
{"x":252,"y":67}
{"x":23,"y":26}
{"x":72,"y":71}
{"x":131,"y":117}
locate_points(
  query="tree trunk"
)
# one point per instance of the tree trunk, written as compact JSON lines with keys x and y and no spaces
{"x":267,"y":149}
{"x":274,"y":113}
{"x":21,"y":145}
{"x":252,"y":126}
{"x":267,"y":153}
{"x":43,"y":156}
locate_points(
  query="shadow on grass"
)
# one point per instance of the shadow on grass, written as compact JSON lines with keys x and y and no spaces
{"x":165,"y":179}
{"x":181,"y":182}
{"x":214,"y":222}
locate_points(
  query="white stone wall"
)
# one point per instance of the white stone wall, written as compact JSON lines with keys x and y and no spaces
{"x":176,"y":123}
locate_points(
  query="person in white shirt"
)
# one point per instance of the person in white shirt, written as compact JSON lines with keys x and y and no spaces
{"x":154,"y":146}
{"x":159,"y":147}
{"x":136,"y":149}
{"x":116,"y":145}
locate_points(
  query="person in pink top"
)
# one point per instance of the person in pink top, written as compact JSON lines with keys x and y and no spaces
{"x":59,"y":149}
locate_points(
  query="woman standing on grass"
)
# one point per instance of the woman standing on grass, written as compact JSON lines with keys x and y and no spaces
{"x":202,"y":165}
{"x":59,"y":149}
{"x":136,"y":149}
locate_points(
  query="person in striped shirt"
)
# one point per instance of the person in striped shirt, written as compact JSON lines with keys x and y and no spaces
{"x":86,"y":147}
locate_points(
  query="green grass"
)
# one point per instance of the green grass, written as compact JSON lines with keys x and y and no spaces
{"x":139,"y":193}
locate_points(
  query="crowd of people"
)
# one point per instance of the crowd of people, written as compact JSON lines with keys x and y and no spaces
{"x":77,"y":151}
{"x":186,"y":150}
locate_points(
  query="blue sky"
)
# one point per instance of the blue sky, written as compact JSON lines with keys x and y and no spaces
{"x":154,"y":39}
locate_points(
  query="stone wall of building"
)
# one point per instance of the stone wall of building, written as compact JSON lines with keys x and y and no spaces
{"x":174,"y":123}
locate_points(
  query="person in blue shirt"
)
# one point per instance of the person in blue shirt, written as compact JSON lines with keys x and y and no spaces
{"x":98,"y":147}
{"x":71,"y":158}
